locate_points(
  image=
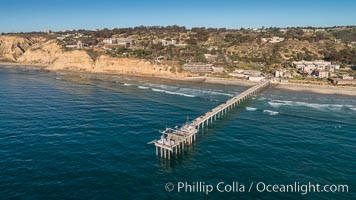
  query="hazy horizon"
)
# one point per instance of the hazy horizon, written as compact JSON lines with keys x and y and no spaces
{"x":189,"y":28}
{"x":37,"y":15}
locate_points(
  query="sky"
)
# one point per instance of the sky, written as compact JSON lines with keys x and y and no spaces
{"x":38,"y":15}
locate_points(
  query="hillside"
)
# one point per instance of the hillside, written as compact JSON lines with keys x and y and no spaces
{"x":162,"y":51}
{"x":51,"y":54}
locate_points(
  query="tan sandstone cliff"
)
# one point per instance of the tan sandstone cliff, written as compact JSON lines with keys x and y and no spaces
{"x":49,"y":53}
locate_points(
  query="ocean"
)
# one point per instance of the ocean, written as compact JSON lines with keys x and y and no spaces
{"x":83,"y":136}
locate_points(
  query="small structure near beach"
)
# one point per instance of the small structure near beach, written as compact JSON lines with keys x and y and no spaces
{"x":199,"y":67}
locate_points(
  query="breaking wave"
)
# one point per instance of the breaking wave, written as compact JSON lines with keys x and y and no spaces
{"x":143,"y":87}
{"x":200,"y":92}
{"x":271,"y":112}
{"x":262,"y":98}
{"x":279,"y":103}
{"x":188,"y":92}
{"x":251,"y":109}
{"x":353,"y":108}
{"x":165,"y":87}
{"x":170,"y":92}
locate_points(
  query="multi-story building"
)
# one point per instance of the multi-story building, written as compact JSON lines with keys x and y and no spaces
{"x":339,"y":81}
{"x":164,"y":42}
{"x":210,"y":57}
{"x":80,"y":45}
{"x":199,"y":67}
{"x":310,"y":67}
{"x":273,"y":40}
{"x":322,"y":73}
{"x":278,"y":74}
{"x":123,"y":42}
{"x":255,"y":78}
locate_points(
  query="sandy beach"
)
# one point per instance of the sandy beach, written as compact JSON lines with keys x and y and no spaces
{"x":227,"y":81}
{"x":22,"y":65}
{"x":340,"y":90}
{"x":328,"y":89}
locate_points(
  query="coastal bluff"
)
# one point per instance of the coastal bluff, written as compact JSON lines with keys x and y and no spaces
{"x":49,"y":53}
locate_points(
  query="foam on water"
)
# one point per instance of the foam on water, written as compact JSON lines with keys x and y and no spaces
{"x":271,"y":112}
{"x":251,"y":109}
{"x":167,"y":87}
{"x":353,"y":108}
{"x":71,"y":146}
{"x":201,"y":92}
{"x":318,"y":106}
{"x":188,"y":92}
{"x":170,"y":92}
{"x":155,"y":85}
{"x":143,"y":87}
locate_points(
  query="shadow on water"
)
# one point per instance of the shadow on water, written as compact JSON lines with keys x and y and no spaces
{"x":192,"y":151}
{"x":89,"y":137}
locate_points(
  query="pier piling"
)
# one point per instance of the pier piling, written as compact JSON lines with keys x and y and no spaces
{"x":174,"y":140}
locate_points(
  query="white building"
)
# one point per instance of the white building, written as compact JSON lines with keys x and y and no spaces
{"x":126,"y":42}
{"x":311,"y":66}
{"x":80,"y":45}
{"x":218,"y":69}
{"x":278,"y":74}
{"x":164,"y":42}
{"x":347,"y":77}
{"x":252,"y":72}
{"x":170,"y":42}
{"x":198,"y":67}
{"x":273,"y":40}
{"x":71,"y":46}
{"x":255,"y":78}
{"x":210,"y":57}
{"x":110,"y":41}
{"x":238,"y":73}
{"x":322,"y":73}
{"x":252,"y":75}
{"x":337,"y":67}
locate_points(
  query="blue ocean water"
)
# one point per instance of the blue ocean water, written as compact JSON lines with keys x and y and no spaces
{"x":84,"y":136}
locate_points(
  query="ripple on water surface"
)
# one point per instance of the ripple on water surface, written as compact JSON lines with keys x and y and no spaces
{"x":77,"y":136}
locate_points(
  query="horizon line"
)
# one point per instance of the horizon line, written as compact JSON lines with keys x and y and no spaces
{"x":181,"y":26}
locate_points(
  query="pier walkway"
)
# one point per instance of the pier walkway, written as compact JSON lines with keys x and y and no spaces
{"x":173,"y":141}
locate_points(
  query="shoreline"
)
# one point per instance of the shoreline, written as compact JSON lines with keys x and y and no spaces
{"x":327,"y":89}
{"x":23,"y":65}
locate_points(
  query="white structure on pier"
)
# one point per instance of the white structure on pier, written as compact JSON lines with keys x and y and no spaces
{"x":173,"y":141}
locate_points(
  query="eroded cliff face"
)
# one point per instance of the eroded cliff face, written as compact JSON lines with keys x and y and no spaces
{"x":133,"y":66}
{"x":45,"y":52}
{"x":49,"y":53}
{"x":12,"y":47}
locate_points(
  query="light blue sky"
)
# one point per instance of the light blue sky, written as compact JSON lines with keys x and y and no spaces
{"x":36,"y":15}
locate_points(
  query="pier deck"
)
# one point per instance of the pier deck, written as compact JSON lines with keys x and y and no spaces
{"x":173,"y":141}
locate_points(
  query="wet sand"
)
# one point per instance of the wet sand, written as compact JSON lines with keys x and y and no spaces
{"x":23,"y":65}
{"x":341,"y":90}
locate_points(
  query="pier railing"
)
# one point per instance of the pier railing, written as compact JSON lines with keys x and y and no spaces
{"x":173,"y":141}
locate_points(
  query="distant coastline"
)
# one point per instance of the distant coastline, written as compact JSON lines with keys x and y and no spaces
{"x":23,"y":64}
{"x":298,"y":59}
{"x":320,"y":89}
